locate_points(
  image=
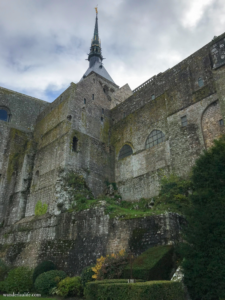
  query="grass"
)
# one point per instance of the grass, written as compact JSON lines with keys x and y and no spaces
{"x":127,"y":209}
{"x":24,"y":297}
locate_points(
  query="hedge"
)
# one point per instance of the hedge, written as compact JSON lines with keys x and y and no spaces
{"x":154,"y":264}
{"x":92,"y":287}
{"x":151,"y":290}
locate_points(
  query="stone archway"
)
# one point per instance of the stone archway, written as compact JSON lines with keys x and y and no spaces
{"x":212,"y":124}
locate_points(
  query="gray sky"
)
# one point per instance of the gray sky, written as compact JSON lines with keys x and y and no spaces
{"x":44,"y":43}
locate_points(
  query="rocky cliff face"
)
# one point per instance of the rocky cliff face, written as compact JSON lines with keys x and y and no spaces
{"x":75,"y":240}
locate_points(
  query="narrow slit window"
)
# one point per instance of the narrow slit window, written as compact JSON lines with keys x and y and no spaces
{"x":103,"y":111}
{"x":184,"y":121}
{"x":221,"y":122}
{"x":102,"y":119}
{"x":84,"y":101}
{"x":124,"y":114}
{"x":153,"y":96}
{"x":200,"y":82}
{"x":75,"y":144}
{"x":93,"y":96}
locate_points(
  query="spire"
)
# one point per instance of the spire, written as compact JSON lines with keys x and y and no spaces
{"x":95,"y":54}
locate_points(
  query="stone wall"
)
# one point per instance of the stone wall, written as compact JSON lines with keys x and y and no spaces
{"x":75,"y":240}
{"x":159,"y":105}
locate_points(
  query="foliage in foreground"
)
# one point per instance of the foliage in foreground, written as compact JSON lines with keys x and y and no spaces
{"x":48,"y":280}
{"x":44,"y":266}
{"x":4,"y":269}
{"x":154,"y":264}
{"x":204,"y":250}
{"x":151,"y":290}
{"x":110,"y":266}
{"x":19,"y":280}
{"x":70,"y":287}
{"x":86,"y":275}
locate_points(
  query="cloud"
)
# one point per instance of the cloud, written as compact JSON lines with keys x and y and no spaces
{"x":44,"y":43}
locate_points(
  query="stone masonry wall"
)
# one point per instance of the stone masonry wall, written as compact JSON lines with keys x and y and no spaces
{"x":74,"y":240}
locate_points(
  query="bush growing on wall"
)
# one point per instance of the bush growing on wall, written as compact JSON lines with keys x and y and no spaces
{"x":40,"y":209}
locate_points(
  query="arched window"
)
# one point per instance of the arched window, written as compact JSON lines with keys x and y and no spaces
{"x":200,"y":82}
{"x":125,"y":151}
{"x":155,"y":137}
{"x":4,"y":114}
{"x":75,"y":144}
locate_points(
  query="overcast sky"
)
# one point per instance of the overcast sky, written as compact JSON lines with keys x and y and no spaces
{"x":44,"y":43}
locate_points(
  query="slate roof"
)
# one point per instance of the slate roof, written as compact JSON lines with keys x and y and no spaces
{"x":98,"y":68}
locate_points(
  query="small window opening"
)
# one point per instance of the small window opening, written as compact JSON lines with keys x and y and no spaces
{"x":104,"y":90}
{"x":69,"y":117}
{"x":125,"y":151}
{"x":200,"y":82}
{"x":184,"y":121}
{"x":84,"y":101}
{"x":221,"y":122}
{"x":4,"y":116}
{"x":103,"y":111}
{"x":153,"y":96}
{"x":75,"y":144}
{"x":124,"y":114}
{"x":102,"y":119}
{"x":93,"y":96}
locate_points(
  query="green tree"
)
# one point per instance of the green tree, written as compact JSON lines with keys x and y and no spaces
{"x":204,"y":234}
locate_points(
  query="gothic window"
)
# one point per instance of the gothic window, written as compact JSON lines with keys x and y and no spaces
{"x":184,"y":121}
{"x":200,"y":82}
{"x":153,"y":96}
{"x":75,"y":144}
{"x":4,"y":114}
{"x":125,"y":151}
{"x":156,"y":137}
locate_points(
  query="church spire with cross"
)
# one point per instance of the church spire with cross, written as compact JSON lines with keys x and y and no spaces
{"x":95,"y":57}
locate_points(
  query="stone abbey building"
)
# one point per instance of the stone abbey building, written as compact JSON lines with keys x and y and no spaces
{"x":104,"y":133}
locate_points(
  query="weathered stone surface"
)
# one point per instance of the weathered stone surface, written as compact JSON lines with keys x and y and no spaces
{"x":75,"y":240}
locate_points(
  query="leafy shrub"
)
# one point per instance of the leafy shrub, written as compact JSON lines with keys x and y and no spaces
{"x":110,"y":266}
{"x":86,"y":275}
{"x":70,"y":287}
{"x":19,"y":280}
{"x":2,"y":287}
{"x":44,"y":266}
{"x":204,"y":252}
{"x":154,"y":264}
{"x":4,"y":269}
{"x":151,"y":290}
{"x":46,"y":281}
{"x":40,"y":209}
